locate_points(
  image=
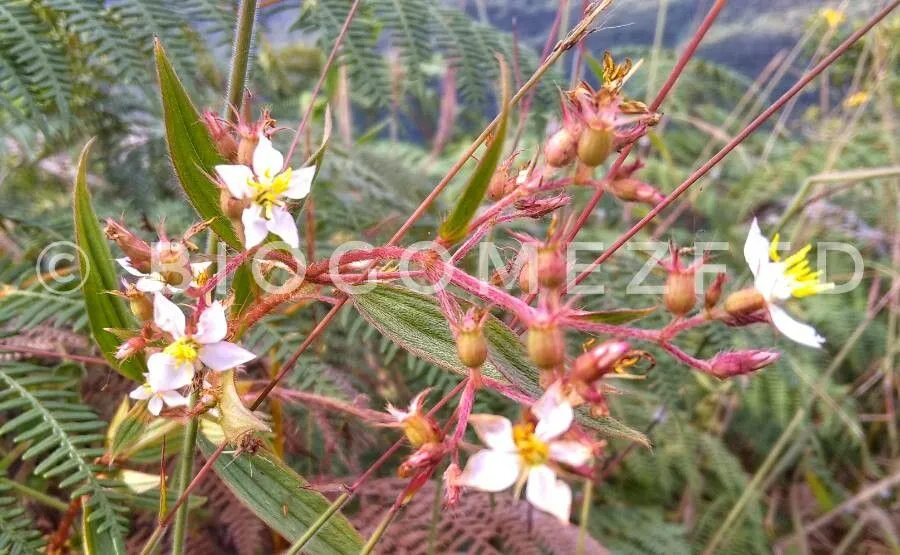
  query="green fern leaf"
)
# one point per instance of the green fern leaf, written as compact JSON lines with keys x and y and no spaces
{"x":65,"y":436}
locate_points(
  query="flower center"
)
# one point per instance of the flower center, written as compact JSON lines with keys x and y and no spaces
{"x":267,"y":190}
{"x":803,"y":281}
{"x":532,"y":450}
{"x":183,"y":350}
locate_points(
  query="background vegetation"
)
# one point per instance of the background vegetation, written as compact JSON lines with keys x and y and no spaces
{"x":801,"y":457}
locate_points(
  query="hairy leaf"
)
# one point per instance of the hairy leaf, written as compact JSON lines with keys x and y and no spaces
{"x":283,"y":499}
{"x":193,"y":151}
{"x":455,"y":226}
{"x":415,"y":322}
{"x":95,"y":260}
{"x":616,"y":316}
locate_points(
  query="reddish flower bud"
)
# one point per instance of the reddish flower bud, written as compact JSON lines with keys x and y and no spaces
{"x":744,"y":302}
{"x":451,"y":489}
{"x":131,"y":347}
{"x":136,"y":249}
{"x":172,"y":260}
{"x":560,"y":148}
{"x":634,"y":190}
{"x":600,"y":360}
{"x":546,"y":345}
{"x":221,"y":135}
{"x":527,"y":279}
{"x":714,"y":292}
{"x":680,"y":293}
{"x":551,"y":267}
{"x":737,"y":363}
{"x":425,"y":456}
{"x":594,"y":145}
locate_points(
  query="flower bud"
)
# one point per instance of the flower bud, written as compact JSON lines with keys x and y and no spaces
{"x":246,"y":147}
{"x":737,"y":363}
{"x":131,"y":347}
{"x":137,"y":250}
{"x":714,"y":292}
{"x":501,"y":185}
{"x":139,"y":303}
{"x":451,"y":489}
{"x":173,"y":261}
{"x":527,"y":279}
{"x":600,"y":360}
{"x":221,"y":135}
{"x":420,"y":429}
{"x":424,"y":457}
{"x":560,"y":148}
{"x":551,"y":268}
{"x":546,"y":345}
{"x":471,"y":345}
{"x":634,"y":190}
{"x":744,"y":302}
{"x":679,"y":294}
{"x":594,"y":145}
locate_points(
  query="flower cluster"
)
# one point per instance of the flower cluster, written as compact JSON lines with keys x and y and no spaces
{"x":187,"y":348}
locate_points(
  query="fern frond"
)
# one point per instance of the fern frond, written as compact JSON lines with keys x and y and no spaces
{"x":18,"y":535}
{"x":359,"y":52}
{"x":65,"y":436}
{"x":156,"y":18}
{"x":406,"y":21}
{"x":40,"y":63}
{"x":455,"y":37}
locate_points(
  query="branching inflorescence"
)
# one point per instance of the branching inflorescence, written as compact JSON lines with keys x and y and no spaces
{"x":261,"y":195}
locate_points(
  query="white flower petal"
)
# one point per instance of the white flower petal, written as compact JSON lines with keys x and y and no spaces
{"x":283,"y":225}
{"x":547,"y":493}
{"x":150,"y":285}
{"x":167,"y":316}
{"x":173,"y":398}
{"x":267,"y":162}
{"x":419,"y":400}
{"x":301,"y":182}
{"x":554,"y":413}
{"x":235,"y":178}
{"x":125,"y":263}
{"x":399,"y":415}
{"x":255,"y":226}
{"x":572,"y":453}
{"x":212,"y":326}
{"x":494,"y":431}
{"x":155,"y":405}
{"x":224,"y":355}
{"x":756,"y":248}
{"x":165,"y":374}
{"x":490,"y":471}
{"x":198,"y":268}
{"x":794,"y":330}
{"x":140,"y":393}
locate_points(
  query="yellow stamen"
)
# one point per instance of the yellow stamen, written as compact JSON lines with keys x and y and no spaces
{"x":804,"y":281}
{"x":532,"y":450}
{"x":183,"y":351}
{"x":267,"y":190}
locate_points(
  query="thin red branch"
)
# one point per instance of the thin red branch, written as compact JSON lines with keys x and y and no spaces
{"x":657,"y":102}
{"x":746,"y":132}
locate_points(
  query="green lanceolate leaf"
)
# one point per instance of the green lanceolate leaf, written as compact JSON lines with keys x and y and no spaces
{"x":95,"y":261}
{"x":129,"y":430}
{"x":415,"y":322}
{"x":616,"y":316}
{"x":283,"y":499}
{"x":457,"y":223}
{"x":193,"y":151}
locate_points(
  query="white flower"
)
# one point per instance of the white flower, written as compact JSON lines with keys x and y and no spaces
{"x":155,"y":282}
{"x":158,"y":397}
{"x":267,"y":186}
{"x":778,"y":280}
{"x":522,"y":452}
{"x":173,"y":367}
